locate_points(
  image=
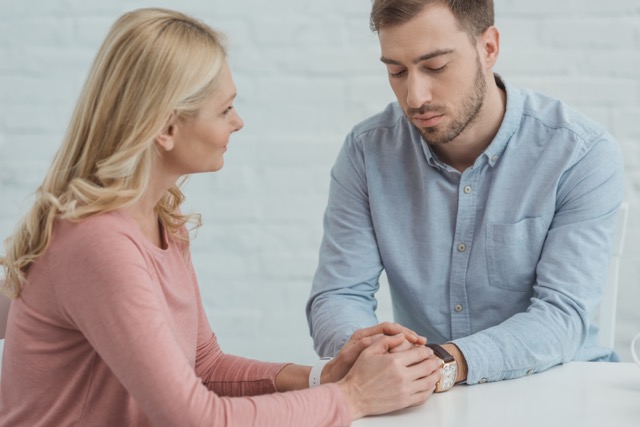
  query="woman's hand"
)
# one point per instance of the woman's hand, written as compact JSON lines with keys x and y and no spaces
{"x":363,"y":338}
{"x":381,"y":381}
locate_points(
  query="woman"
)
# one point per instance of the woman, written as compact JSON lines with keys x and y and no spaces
{"x":107,"y":327}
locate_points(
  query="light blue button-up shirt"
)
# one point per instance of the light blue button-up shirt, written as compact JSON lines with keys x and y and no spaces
{"x":507,"y":260}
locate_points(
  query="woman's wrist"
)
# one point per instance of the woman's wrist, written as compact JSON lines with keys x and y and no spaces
{"x":292,"y":377}
{"x":352,"y":399}
{"x":319,"y":374}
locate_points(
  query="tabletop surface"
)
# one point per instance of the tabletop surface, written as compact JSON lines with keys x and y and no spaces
{"x":582,"y":394}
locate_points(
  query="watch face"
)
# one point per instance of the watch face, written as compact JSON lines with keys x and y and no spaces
{"x":449,"y":374}
{"x":449,"y":368}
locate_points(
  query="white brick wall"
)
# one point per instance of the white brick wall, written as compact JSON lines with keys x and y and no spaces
{"x":306,"y":71}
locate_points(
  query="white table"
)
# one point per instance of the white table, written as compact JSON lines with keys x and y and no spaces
{"x":580,"y":394}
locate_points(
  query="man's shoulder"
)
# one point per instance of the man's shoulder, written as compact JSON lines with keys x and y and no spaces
{"x":555,"y":114}
{"x":389,"y":119}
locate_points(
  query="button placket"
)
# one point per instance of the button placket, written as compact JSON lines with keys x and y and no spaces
{"x":463,"y":239}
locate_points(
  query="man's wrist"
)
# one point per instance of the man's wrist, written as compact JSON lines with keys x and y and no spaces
{"x":453,"y":350}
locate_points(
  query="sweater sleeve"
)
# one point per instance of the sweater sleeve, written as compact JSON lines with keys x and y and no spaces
{"x":225,"y":374}
{"x":108,"y":294}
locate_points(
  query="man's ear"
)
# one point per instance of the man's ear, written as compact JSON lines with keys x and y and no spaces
{"x":490,"y":46}
{"x":165,"y":138}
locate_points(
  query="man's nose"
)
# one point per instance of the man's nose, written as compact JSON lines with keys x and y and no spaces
{"x":419,"y":91}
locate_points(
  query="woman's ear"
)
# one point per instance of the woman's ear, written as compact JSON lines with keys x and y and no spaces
{"x":165,"y":138}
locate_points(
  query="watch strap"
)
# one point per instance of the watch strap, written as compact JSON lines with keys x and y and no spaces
{"x":439,"y":351}
{"x":316,"y":371}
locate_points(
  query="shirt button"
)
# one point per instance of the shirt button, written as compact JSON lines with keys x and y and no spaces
{"x":530,"y":372}
{"x":467,"y":189}
{"x":482,"y":380}
{"x":458,"y":308}
{"x":462,"y":247}
{"x":494,"y":158}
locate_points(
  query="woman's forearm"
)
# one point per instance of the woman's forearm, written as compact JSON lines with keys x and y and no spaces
{"x":293,"y":377}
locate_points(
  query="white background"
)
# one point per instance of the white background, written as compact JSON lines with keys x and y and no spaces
{"x":306,"y":72}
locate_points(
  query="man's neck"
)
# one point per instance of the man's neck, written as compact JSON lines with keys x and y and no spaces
{"x":462,"y":152}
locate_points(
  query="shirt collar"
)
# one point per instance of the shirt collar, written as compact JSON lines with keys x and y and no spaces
{"x":509,"y":125}
{"x":510,"y":122}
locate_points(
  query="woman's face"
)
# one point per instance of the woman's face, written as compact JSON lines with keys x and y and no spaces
{"x":201,"y":141}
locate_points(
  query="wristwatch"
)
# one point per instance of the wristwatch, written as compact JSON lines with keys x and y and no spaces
{"x":449,"y":369}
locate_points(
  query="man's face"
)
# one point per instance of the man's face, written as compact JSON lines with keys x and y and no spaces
{"x":435,"y":72}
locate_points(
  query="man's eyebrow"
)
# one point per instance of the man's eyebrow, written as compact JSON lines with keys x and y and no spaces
{"x":424,"y":57}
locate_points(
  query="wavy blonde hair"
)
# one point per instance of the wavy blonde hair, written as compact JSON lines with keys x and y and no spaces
{"x":153,"y":63}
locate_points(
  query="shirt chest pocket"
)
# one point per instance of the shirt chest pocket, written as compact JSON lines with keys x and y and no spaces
{"x":513,"y":252}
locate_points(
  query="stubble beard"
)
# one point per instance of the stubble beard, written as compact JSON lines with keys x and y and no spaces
{"x":471,"y":106}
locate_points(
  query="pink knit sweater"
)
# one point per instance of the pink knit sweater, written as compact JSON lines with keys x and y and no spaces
{"x":110,"y":331}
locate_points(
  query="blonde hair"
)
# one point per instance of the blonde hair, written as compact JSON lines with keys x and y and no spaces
{"x":153,"y":63}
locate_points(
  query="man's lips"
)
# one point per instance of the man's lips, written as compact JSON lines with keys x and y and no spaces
{"x":427,"y":120}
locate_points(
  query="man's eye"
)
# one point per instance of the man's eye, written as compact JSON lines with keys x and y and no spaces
{"x":438,"y":70}
{"x":398,"y":74}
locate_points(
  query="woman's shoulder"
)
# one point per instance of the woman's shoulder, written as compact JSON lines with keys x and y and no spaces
{"x":108,"y":227}
{"x":105,"y":241}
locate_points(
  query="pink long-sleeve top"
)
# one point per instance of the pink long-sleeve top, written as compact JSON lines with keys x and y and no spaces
{"x":110,"y":331}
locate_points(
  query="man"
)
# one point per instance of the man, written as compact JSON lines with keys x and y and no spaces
{"x":491,"y":209}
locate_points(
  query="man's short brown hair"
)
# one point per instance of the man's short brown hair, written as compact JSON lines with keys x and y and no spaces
{"x":473,"y":16}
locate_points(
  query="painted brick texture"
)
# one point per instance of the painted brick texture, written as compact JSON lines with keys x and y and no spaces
{"x":306,"y":72}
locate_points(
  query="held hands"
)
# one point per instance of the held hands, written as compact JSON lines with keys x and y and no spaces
{"x":363,"y":338}
{"x":381,"y":381}
{"x":384,"y":368}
